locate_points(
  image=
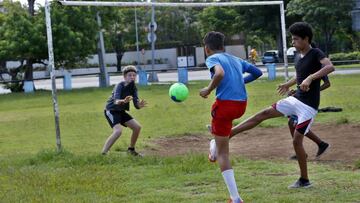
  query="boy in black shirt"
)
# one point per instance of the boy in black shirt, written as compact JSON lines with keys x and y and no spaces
{"x":312,"y":66}
{"x":116,"y":107}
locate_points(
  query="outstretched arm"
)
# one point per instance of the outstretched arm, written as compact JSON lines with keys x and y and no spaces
{"x":284,"y":88}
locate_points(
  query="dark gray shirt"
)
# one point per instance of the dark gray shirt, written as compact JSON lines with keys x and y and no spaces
{"x":305,"y":66}
{"x":121,"y":91}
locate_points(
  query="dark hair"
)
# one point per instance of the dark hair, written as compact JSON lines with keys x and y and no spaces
{"x":214,"y":40}
{"x":302,"y":30}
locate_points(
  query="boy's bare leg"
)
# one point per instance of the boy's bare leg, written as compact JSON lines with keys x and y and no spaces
{"x":112,"y":138}
{"x":222,"y":144}
{"x":300,"y":153}
{"x":136,"y":128}
{"x":313,"y":137}
{"x":255,"y":120}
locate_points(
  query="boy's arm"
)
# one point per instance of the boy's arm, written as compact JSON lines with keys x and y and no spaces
{"x":215,"y":81}
{"x":326,"y":83}
{"x":123,"y":101}
{"x":255,"y":73}
{"x":117,"y":96}
{"x":325,"y":70}
{"x":137,"y":102}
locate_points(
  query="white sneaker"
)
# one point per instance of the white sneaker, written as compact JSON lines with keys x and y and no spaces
{"x":212,"y":151}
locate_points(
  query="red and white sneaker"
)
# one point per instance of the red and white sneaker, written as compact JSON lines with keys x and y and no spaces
{"x":212,"y":151}
{"x":235,"y":201}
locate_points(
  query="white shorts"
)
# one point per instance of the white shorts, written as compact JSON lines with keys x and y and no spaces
{"x":291,"y":106}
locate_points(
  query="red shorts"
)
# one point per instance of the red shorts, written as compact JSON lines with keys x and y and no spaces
{"x":223,"y":113}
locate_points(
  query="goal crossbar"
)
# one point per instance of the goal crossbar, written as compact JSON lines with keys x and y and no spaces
{"x":166,"y":4}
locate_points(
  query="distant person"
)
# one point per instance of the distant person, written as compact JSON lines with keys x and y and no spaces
{"x":116,"y":107}
{"x":231,"y":100}
{"x":312,"y":66}
{"x":253,"y":55}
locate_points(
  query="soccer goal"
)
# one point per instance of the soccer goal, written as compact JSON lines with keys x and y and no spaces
{"x":152,"y":5}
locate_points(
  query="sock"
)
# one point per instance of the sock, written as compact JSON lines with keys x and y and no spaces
{"x":229,"y":179}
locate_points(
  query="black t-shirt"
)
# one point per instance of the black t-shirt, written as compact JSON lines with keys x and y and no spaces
{"x":121,"y":91}
{"x":305,"y":66}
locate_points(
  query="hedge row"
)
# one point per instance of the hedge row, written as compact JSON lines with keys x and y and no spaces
{"x":345,"y":56}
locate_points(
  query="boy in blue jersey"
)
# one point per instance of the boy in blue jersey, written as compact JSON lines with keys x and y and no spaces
{"x":227,"y":77}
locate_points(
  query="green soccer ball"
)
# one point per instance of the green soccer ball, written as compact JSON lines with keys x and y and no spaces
{"x":178,"y":92}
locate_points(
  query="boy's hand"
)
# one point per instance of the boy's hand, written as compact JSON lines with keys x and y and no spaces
{"x":204,"y":92}
{"x":128,"y":99}
{"x":142,"y":103}
{"x":291,"y":92}
{"x":304,"y":86}
{"x":283,"y":89}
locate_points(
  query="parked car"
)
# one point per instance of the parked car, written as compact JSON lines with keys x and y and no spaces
{"x":271,"y":56}
{"x":291,"y":52}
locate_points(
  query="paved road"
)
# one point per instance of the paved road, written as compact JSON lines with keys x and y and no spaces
{"x":92,"y":81}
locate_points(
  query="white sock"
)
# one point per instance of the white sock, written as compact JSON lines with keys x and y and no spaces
{"x":229,"y":179}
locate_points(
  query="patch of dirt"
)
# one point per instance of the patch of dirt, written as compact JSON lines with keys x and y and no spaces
{"x":270,"y":143}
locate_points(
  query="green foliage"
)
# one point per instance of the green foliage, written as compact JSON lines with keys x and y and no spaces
{"x":326,"y":18}
{"x":345,"y":56}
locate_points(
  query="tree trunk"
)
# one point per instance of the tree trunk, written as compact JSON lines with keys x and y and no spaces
{"x":29,"y":70}
{"x":119,"y":56}
{"x":31,"y":7}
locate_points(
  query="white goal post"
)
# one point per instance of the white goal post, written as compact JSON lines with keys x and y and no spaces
{"x":146,"y":4}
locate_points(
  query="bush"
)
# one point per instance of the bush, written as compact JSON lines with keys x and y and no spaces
{"x":345,"y":56}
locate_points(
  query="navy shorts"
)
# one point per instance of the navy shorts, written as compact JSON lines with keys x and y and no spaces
{"x":116,"y":117}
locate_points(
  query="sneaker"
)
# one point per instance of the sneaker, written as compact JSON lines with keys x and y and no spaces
{"x":235,"y":201}
{"x":212,"y":151}
{"x":300,"y":184}
{"x":134,"y":153}
{"x":323,"y":146}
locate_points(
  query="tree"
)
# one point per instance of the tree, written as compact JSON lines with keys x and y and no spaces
{"x":23,"y":37}
{"x":326,"y":18}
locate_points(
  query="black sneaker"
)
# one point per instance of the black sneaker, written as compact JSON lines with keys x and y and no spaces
{"x":301,"y":183}
{"x":323,"y":146}
{"x":134,"y":153}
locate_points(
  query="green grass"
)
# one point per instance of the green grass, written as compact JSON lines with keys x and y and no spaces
{"x":349,"y":66}
{"x":31,"y":172}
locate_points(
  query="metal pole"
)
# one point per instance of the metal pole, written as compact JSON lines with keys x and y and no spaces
{"x":52,"y":73}
{"x":163,"y":4}
{"x":137,"y":40}
{"x":283,"y":33}
{"x":153,"y":76}
{"x":104,"y":79}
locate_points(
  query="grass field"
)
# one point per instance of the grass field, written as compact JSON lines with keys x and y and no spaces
{"x":31,"y":170}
